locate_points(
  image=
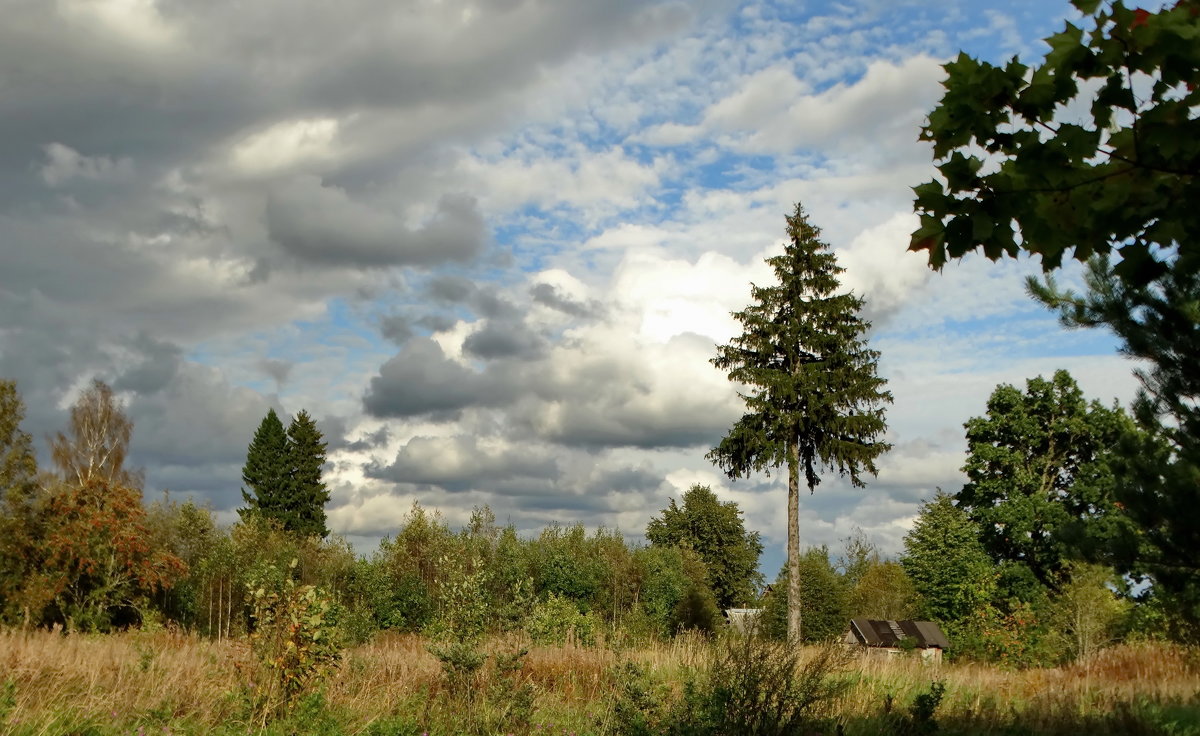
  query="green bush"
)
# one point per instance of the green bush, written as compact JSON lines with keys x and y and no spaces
{"x":557,"y":620}
{"x":295,"y":640}
{"x":751,"y":685}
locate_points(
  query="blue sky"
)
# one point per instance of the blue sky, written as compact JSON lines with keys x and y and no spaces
{"x":491,"y":244}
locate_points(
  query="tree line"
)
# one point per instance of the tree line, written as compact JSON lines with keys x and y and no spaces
{"x":79,"y":547}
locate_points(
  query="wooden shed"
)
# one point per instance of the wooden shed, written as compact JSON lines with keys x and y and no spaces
{"x":892,"y":638}
{"x":742,"y":620}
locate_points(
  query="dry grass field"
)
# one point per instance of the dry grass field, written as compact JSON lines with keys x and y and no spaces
{"x":160,"y":683}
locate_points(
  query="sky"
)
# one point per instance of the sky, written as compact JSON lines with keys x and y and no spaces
{"x":491,"y":245}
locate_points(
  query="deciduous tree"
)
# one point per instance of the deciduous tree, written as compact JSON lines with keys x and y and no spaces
{"x":1117,"y":182}
{"x":814,"y":398}
{"x":96,"y":563}
{"x":96,"y":443}
{"x":716,"y":532}
{"x":824,"y":599}
{"x":1040,"y":476}
{"x":97,"y":555}
{"x":19,"y":499}
{"x":1157,"y":471}
{"x":1113,"y":180}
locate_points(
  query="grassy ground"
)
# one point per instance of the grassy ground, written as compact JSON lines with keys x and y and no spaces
{"x":141,"y":683}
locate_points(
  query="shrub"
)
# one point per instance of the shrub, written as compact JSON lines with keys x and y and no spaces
{"x":640,"y":706}
{"x":760,"y":686}
{"x":294,"y":641}
{"x":557,"y":620}
{"x":751,"y":685}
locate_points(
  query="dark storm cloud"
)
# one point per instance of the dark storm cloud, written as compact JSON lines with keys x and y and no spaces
{"x":324,"y":225}
{"x":158,"y":362}
{"x":627,"y":479}
{"x":195,"y":420}
{"x":371,"y":440}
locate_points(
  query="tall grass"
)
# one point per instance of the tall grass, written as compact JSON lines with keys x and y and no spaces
{"x":122,"y":682}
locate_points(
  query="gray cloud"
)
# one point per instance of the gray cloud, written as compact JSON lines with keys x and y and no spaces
{"x":461,"y":463}
{"x":547,"y":295}
{"x":436,"y":322}
{"x":453,"y":289}
{"x":504,"y":340}
{"x":157,"y":365}
{"x":421,"y":380}
{"x":277,"y":369}
{"x":396,"y":328}
{"x":371,"y":440}
{"x":324,"y":225}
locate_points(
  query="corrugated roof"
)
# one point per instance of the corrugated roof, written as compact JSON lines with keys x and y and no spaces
{"x":877,"y":633}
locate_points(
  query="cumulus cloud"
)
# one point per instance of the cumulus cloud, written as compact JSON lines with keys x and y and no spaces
{"x":462,"y":462}
{"x":773,"y":111}
{"x":880,"y":267}
{"x":421,"y":380}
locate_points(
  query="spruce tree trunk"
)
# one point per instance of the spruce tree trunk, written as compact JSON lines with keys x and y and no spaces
{"x":793,"y":542}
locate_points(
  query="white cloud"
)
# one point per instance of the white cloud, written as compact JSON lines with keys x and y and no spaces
{"x":776,"y":113}
{"x":599,"y":182}
{"x":880,"y":268}
{"x":287,"y":145}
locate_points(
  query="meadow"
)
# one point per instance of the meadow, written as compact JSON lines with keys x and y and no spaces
{"x":143,"y":683}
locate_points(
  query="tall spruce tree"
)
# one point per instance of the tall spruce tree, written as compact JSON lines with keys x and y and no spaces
{"x":307,"y":495}
{"x":266,"y":471}
{"x":814,"y":397}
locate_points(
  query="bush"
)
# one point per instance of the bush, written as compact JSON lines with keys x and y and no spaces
{"x":759,"y":686}
{"x":557,"y":620}
{"x":752,"y":685}
{"x":295,"y":641}
{"x":641,"y":707}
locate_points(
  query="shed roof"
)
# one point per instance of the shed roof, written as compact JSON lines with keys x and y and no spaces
{"x":876,"y":633}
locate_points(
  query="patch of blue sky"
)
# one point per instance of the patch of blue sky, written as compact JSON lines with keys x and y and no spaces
{"x":1015,"y":336}
{"x":340,"y":336}
{"x":989,"y":29}
{"x":533,"y":234}
{"x":744,"y":172}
